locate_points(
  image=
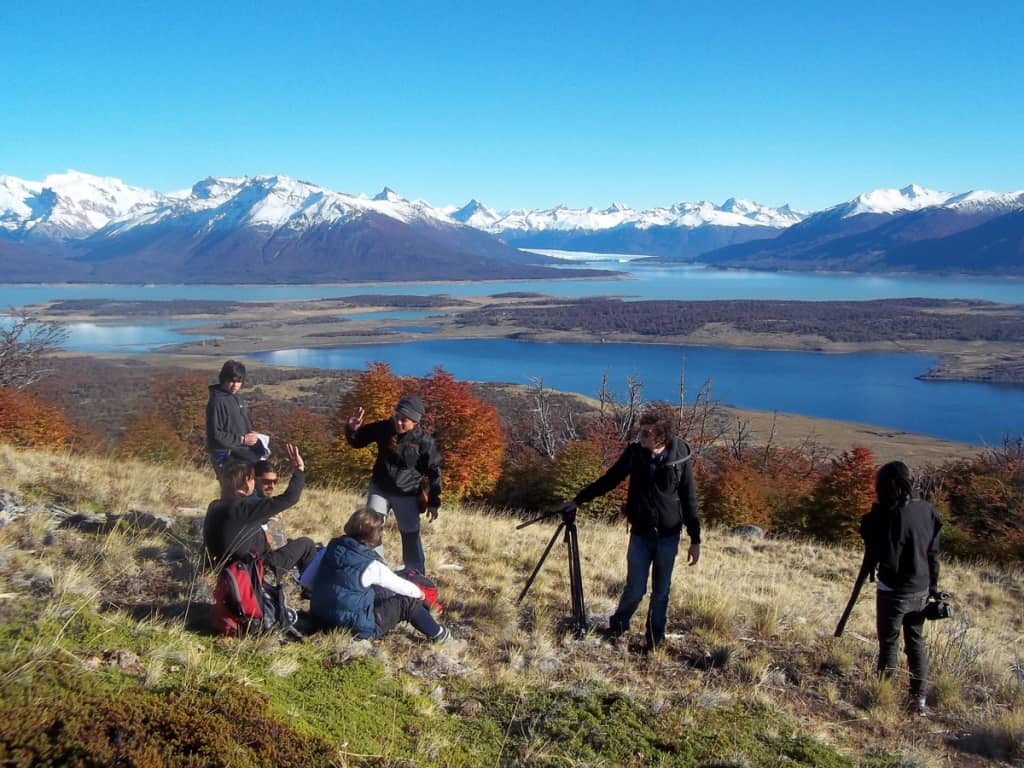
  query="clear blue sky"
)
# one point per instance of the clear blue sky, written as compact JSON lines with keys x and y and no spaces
{"x":522,"y":104}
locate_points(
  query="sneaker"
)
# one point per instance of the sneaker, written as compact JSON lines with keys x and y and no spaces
{"x":917,"y":705}
{"x":442,"y":636}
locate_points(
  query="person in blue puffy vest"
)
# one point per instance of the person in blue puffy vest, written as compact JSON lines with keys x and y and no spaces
{"x":354,"y":589}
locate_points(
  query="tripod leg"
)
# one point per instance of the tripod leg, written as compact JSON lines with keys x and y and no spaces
{"x":536,"y":570}
{"x":579,"y":608}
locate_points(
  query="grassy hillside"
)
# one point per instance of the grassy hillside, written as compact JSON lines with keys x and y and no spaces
{"x":105,"y":658}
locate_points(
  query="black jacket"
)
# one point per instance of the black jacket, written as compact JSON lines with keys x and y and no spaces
{"x":662,"y":496}
{"x":398,"y":469}
{"x":227,"y":421}
{"x":904,"y":543}
{"x":232,"y":526}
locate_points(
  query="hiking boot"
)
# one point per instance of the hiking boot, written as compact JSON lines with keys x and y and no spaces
{"x":442,"y":636}
{"x":609,"y":635}
{"x":650,"y":646}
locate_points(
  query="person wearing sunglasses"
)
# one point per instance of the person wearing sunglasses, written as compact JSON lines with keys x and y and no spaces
{"x":406,"y":453}
{"x":661,"y":501}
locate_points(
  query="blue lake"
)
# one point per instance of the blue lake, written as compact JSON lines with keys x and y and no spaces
{"x":875,"y":389}
{"x":392,"y":314}
{"x":642,"y":282}
{"x":870,"y":388}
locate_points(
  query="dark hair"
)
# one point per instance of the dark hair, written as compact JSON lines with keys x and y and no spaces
{"x":893,"y":485}
{"x":365,"y":526}
{"x":658,"y":423}
{"x":232,"y":370}
{"x":263,"y":467}
{"x":233,"y":475}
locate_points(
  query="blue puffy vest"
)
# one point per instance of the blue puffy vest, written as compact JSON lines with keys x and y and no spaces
{"x":339,"y":598}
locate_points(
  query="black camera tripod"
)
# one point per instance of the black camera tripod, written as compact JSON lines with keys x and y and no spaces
{"x":579,"y":609}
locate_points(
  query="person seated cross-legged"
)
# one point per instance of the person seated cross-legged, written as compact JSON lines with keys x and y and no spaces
{"x":353,"y":588}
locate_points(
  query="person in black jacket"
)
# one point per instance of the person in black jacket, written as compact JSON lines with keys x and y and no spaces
{"x":406,"y":453}
{"x":229,"y":431}
{"x":234,"y":522}
{"x":662,"y":498}
{"x":901,"y":535}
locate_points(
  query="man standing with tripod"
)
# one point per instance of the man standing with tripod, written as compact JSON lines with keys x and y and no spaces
{"x":662,"y":498}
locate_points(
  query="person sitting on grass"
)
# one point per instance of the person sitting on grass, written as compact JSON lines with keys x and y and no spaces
{"x":354,"y":589}
{"x":266,"y":482}
{"x":234,"y":522}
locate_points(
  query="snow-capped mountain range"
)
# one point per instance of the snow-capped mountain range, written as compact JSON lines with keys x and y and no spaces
{"x":732,"y":213}
{"x":96,"y":226}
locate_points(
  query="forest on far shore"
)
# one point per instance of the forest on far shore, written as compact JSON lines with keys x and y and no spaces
{"x":839,"y":321}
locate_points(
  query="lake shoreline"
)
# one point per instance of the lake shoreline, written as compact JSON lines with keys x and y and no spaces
{"x":245,"y":328}
{"x":760,"y":426}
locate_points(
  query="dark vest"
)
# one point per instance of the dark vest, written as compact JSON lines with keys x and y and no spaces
{"x":339,"y":598}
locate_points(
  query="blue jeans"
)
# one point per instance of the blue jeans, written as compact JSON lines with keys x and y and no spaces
{"x":642,"y":553}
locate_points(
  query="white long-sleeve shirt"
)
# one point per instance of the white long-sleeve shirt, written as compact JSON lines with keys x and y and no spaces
{"x":379,"y":574}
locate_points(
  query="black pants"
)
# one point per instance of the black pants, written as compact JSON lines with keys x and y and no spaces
{"x":295,"y":553}
{"x":390,"y":608}
{"x":893,"y":612}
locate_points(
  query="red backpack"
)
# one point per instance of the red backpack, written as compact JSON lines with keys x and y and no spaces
{"x":238,"y":597}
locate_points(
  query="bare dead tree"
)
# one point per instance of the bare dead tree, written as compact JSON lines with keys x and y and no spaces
{"x":622,"y":416}
{"x":817,"y":453}
{"x":703,"y":409}
{"x":769,"y":445}
{"x":739,"y":442}
{"x":605,"y":396}
{"x":542,"y":431}
{"x":634,"y":406}
{"x":681,"y":413}
{"x":25,"y":345}
{"x":570,"y":430}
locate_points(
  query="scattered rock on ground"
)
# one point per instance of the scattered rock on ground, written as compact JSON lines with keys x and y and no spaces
{"x":748,"y":532}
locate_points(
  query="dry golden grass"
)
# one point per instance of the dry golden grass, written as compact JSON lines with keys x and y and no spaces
{"x":752,"y":622}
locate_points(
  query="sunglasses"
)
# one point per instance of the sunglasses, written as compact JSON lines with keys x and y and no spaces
{"x":267,"y":480}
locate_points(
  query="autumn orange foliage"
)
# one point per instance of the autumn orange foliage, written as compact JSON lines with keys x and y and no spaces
{"x":842,"y":496}
{"x":301,"y":427}
{"x":29,"y":422}
{"x":468,"y":433}
{"x":150,"y":436}
{"x":734,"y":492}
{"x":375,"y":390}
{"x":172,"y":426}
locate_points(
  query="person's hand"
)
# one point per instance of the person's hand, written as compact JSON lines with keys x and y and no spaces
{"x":568,"y":507}
{"x":250,"y":438}
{"x":356,"y":419}
{"x":693,"y":554}
{"x":292,"y":455}
{"x":432,"y":513}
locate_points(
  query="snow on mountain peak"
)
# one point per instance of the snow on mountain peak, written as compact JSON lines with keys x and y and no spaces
{"x":70,"y":204}
{"x":911,"y":198}
{"x":475,"y":214}
{"x":387,"y":194}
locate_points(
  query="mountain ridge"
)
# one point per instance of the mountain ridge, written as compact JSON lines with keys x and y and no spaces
{"x":100,"y":228}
